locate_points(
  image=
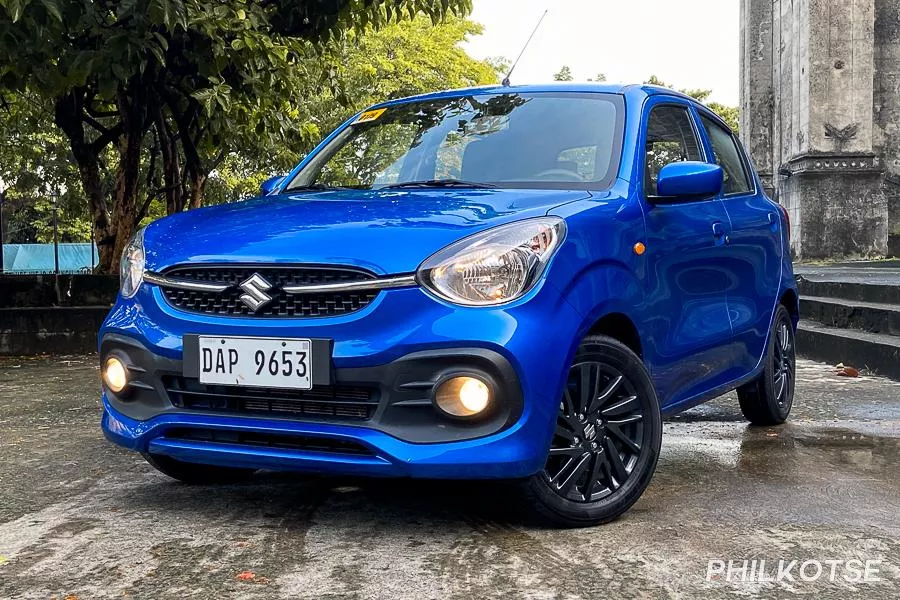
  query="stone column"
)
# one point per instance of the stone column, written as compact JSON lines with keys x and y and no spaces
{"x":756,"y":104}
{"x":834,"y":189}
{"x":886,"y":132}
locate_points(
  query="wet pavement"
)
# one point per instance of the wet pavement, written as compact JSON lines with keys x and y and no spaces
{"x":886,"y":272}
{"x":81,"y":518}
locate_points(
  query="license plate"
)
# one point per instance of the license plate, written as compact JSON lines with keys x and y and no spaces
{"x":256,"y":362}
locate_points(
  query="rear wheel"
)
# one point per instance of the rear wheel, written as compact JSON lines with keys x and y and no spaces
{"x":767,"y":400}
{"x":606,"y":442}
{"x":193,"y":473}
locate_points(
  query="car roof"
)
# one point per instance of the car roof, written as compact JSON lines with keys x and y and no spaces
{"x":572,"y":87}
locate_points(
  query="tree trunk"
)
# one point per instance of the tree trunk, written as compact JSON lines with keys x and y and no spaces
{"x":68,"y":116}
{"x":174,"y":186}
{"x":128,"y":172}
{"x":198,"y":184}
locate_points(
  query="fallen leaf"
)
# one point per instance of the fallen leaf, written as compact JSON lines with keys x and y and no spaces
{"x":71,"y":597}
{"x":2,"y":559}
{"x":847,"y":372}
{"x":246,"y":576}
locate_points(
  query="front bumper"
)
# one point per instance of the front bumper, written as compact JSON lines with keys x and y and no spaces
{"x":404,"y":337}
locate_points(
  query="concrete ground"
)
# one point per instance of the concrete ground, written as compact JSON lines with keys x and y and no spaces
{"x":80,"y":518}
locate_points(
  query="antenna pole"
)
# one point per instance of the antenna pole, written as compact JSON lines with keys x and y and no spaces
{"x":513,"y":68}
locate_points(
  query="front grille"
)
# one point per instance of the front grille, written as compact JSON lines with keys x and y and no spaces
{"x":228,"y":303}
{"x":268,"y":440}
{"x":321,"y":402}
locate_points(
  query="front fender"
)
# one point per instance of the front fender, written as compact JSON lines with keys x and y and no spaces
{"x":597,"y":271}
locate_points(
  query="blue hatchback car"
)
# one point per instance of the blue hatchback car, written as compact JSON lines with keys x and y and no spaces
{"x":501,"y":282}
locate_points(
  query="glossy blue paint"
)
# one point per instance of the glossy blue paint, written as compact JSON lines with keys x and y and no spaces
{"x":302,"y":227}
{"x":701,"y":296}
{"x":689,"y":180}
{"x":269,"y":185}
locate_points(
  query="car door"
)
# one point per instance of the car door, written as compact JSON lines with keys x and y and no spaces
{"x":753,"y":248}
{"x":688,"y":330}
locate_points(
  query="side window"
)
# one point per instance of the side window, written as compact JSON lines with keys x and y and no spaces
{"x":728,"y":157}
{"x":670,"y":138}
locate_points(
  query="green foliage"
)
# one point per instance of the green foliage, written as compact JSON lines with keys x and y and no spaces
{"x":729,"y":114}
{"x":35,"y":167}
{"x":402,"y":59}
{"x":206,"y":77}
{"x":564,"y":74}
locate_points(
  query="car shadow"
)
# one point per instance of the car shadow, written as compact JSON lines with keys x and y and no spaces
{"x":286,"y":499}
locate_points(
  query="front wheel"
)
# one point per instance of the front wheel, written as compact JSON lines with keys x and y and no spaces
{"x":606,"y":442}
{"x":767,"y":400}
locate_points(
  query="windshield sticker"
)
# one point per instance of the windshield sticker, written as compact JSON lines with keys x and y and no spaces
{"x":369,"y":116}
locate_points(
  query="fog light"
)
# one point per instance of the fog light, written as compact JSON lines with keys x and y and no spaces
{"x":463,"y":396}
{"x":115,"y":375}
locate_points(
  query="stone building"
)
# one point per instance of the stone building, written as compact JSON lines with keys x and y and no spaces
{"x":820,"y":115}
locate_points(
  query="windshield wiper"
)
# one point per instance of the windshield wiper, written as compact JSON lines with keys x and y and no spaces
{"x":316,"y":187}
{"x":437,"y":183}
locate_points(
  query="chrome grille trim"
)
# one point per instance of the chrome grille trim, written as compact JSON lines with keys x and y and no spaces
{"x":183,"y":284}
{"x":382,"y":283}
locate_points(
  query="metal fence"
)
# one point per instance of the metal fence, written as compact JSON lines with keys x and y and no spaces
{"x":49,"y":258}
{"x":37,"y":237}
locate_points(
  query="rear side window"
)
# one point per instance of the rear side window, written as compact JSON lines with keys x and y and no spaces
{"x":670,"y":138}
{"x":728,"y":156}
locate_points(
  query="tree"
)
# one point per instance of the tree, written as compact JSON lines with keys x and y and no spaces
{"x":403,"y":59}
{"x":564,"y":74}
{"x":194,"y":71}
{"x":34,"y":170}
{"x":729,"y":114}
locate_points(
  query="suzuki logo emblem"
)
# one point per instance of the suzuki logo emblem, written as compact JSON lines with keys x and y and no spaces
{"x":255,"y":288}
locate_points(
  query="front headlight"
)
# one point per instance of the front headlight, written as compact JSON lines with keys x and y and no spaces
{"x":131,"y":271}
{"x":494,"y":266}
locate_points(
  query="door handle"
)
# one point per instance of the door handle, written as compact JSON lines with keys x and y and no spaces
{"x":719,"y":233}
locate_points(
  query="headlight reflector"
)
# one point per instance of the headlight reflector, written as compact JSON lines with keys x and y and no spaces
{"x":131,"y":271}
{"x":494,"y":266}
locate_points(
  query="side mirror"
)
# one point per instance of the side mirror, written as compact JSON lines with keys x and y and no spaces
{"x":270,"y":184}
{"x":688,"y":180}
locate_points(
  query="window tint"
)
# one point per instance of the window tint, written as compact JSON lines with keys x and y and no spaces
{"x":374,"y":155}
{"x":581,"y":160}
{"x":728,"y":157}
{"x":546,"y":140}
{"x":670,"y":138}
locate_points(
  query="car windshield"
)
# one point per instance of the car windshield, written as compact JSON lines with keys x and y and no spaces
{"x":541,"y":140}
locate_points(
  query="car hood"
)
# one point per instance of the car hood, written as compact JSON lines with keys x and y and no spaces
{"x":385,"y":231}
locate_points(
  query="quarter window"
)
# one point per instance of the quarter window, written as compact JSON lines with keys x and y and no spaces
{"x":670,"y":138}
{"x":728,"y":156}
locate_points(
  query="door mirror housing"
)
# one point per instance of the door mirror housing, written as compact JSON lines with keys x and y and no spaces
{"x":688,"y":180}
{"x":270,"y":184}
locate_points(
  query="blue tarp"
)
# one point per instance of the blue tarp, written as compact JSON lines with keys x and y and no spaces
{"x":38,"y":258}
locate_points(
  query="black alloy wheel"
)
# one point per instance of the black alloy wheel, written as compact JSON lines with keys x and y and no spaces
{"x":784,"y":365}
{"x":606,"y":441}
{"x":767,"y":400}
{"x":599,"y":434}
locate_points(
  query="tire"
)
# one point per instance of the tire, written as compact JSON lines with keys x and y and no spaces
{"x":606,"y":442}
{"x":767,"y":400}
{"x":194,"y":473}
